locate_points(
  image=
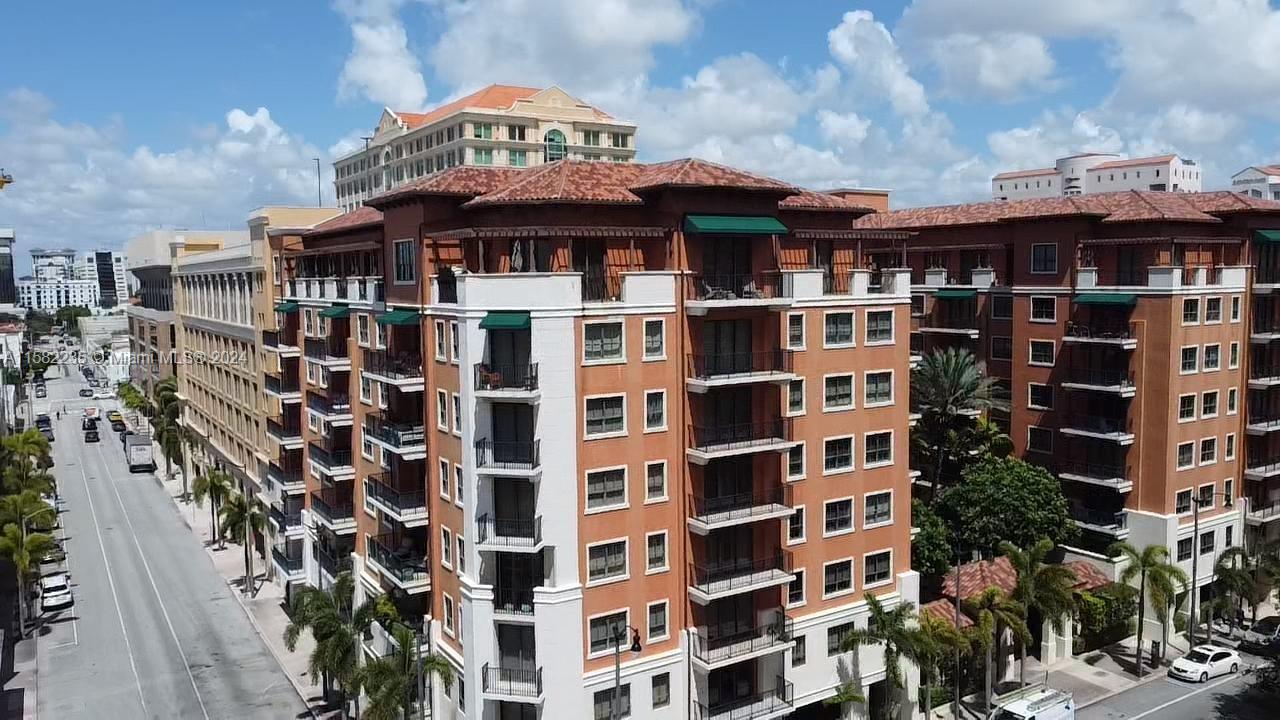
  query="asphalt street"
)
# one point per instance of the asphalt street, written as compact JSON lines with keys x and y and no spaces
{"x":1226,"y":697}
{"x":154,"y":632}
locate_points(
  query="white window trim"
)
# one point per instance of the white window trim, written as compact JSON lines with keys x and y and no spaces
{"x":445,"y":480}
{"x":626,"y":490}
{"x":663,"y":426}
{"x":395,"y":244}
{"x":853,"y":578}
{"x":367,"y":399}
{"x":1031,"y":304}
{"x":1028,"y":443}
{"x":853,"y":393}
{"x":1053,"y":351}
{"x":366,"y":443}
{"x":1232,"y":445}
{"x":1030,"y":405}
{"x":853,"y":454}
{"x":644,"y":356}
{"x":1236,"y":308}
{"x":455,"y":413}
{"x":620,"y":360}
{"x":804,"y":530}
{"x":1183,"y":311}
{"x":626,"y":555}
{"x":1192,"y":492}
{"x":1213,"y":498}
{"x":853,"y":329}
{"x":804,"y":331}
{"x":866,"y":327}
{"x":1233,"y":392}
{"x":1233,"y":349}
{"x":1177,"y":452}
{"x":804,"y":590}
{"x":853,"y":516}
{"x":666,"y":483}
{"x":879,"y":583}
{"x":442,"y":341}
{"x":1197,"y":368}
{"x":607,"y":613}
{"x":1195,"y":404}
{"x":1216,"y":404}
{"x":446,"y":548}
{"x":804,"y":398}
{"x":1204,"y":358}
{"x":449,"y":607}
{"x":1031,"y":259}
{"x":1200,"y":451}
{"x":458,"y":497}
{"x":1205,"y":314}
{"x":455,"y":346}
{"x":665,"y":636}
{"x":605,"y":436}
{"x":892,"y":509}
{"x":368,"y":334}
{"x":459,"y":549}
{"x":804,"y":464}
{"x":892,"y":447}
{"x":666,"y":546}
{"x":442,"y":394}
{"x":892,"y":389}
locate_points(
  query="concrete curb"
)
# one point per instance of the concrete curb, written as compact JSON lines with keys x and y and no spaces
{"x":1155,"y":675}
{"x":297,"y":687}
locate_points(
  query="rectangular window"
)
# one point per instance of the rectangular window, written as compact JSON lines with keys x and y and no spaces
{"x":1039,"y":397}
{"x":1187,"y":406}
{"x":655,"y":410}
{"x":458,"y":484}
{"x":917,"y":305}
{"x":1184,"y":549}
{"x":591,"y":138}
{"x":656,"y":552}
{"x":607,"y":489}
{"x":795,"y":397}
{"x":1041,"y":352}
{"x":446,"y":547}
{"x":448,"y":615}
{"x":516,"y":132}
{"x":1044,"y":258}
{"x":838,"y":329}
{"x":877,"y":449}
{"x":1228,"y":485}
{"x":1209,"y":404}
{"x":1206,"y":542}
{"x":1190,"y":311}
{"x":607,"y":561}
{"x":835,"y":637}
{"x":795,"y":526}
{"x":1213,"y":310}
{"x":601,"y":631}
{"x":457,"y":414}
{"x":1044,"y":309}
{"x":837,"y":578}
{"x":1039,"y":439}
{"x":837,"y":454}
{"x":877,"y":568}
{"x":362,"y":329}
{"x":1206,"y":497}
{"x":406,"y":270}
{"x":795,"y":462}
{"x":517,"y":158}
{"x":1001,"y":347}
{"x":797,"y":652}
{"x":837,"y":392}
{"x":655,"y":481}
{"x":462,"y":554}
{"x":1235,"y":309}
{"x":877,"y":388}
{"x":1182,"y":502}
{"x":1001,"y":307}
{"x":1190,"y":359}
{"x":1232,"y":398}
{"x":795,"y":331}
{"x":454,"y":339}
{"x":877,"y":509}
{"x":602,"y":342}
{"x":366,"y":390}
{"x":837,"y":517}
{"x":483,"y":156}
{"x":442,"y":410}
{"x":482,"y":131}
{"x":1228,"y":536}
{"x":1233,"y":356}
{"x":655,"y":339}
{"x":879,"y":326}
{"x":1186,"y":455}
{"x":1212,"y":357}
{"x":1229,"y":447}
{"x":606,"y":415}
{"x":444,"y":478}
{"x":1208,"y":451}
{"x":795,"y":589}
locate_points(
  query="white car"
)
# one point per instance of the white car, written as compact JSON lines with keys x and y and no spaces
{"x":55,"y":592}
{"x":103,"y":395}
{"x":1204,"y":662}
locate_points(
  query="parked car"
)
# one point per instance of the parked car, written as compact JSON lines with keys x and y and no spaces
{"x":118,"y":426}
{"x":91,"y":436}
{"x":1038,"y":703}
{"x":1264,"y":634}
{"x":1204,"y":662}
{"x":40,"y":391}
{"x":115,"y":416}
{"x":89,"y":423}
{"x":104,"y":394}
{"x":86,"y":392}
{"x":55,"y":591}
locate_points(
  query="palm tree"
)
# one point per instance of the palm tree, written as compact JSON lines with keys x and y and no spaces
{"x":172,"y":437}
{"x":26,"y":456}
{"x":1157,"y":578}
{"x":1042,"y":587}
{"x":934,"y":641}
{"x":389,"y":682}
{"x":215,"y":486}
{"x":996,"y":612}
{"x":25,"y":551}
{"x":891,"y":629}
{"x":337,"y":629}
{"x":986,"y":438}
{"x":27,"y":504}
{"x":948,"y":389}
{"x":242,"y":518}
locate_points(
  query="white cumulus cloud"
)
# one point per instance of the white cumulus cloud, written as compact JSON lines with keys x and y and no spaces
{"x":380,"y":68}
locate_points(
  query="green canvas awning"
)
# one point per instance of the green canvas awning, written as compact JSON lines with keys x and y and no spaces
{"x":955,"y":294}
{"x":505,"y":321}
{"x":1267,"y":235}
{"x":734,"y":225}
{"x":289,"y":307}
{"x":1123,"y":299}
{"x":398,"y":317}
{"x":337,"y":311}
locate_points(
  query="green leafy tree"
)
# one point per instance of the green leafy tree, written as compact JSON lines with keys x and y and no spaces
{"x":987,"y":439}
{"x":26,"y":462}
{"x":995,"y":613}
{"x":24,"y":551}
{"x":1006,"y":499}
{"x":930,"y":549}
{"x":891,"y":630}
{"x":1157,"y":579}
{"x":1041,"y":586}
{"x":949,"y":389}
{"x":242,"y":519}
{"x":215,"y":486}
{"x":390,"y":682}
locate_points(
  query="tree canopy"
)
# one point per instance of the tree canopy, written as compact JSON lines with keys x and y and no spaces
{"x":1006,"y":499}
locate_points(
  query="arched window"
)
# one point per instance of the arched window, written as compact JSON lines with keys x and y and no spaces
{"x":555,"y":145}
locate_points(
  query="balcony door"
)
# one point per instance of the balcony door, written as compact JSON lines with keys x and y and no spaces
{"x":727,"y":346}
{"x":515,"y":646}
{"x":731,"y":616}
{"x":726,"y":262}
{"x":726,"y":686}
{"x":509,"y":348}
{"x":512,"y":422}
{"x":725,"y":478}
{"x":728,"y":414}
{"x":512,"y":499}
{"x":730,"y":547}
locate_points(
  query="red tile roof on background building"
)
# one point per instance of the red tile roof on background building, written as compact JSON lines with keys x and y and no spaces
{"x":568,"y":181}
{"x":692,"y":172}
{"x":462,"y":181}
{"x":810,"y":200}
{"x":1268,"y":169}
{"x":1088,"y":577}
{"x":360,"y":217}
{"x":1113,"y":207}
{"x":494,"y":97}
{"x":1013,"y":174}
{"x":978,"y":576}
{"x":1131,"y":162}
{"x":944,"y":609}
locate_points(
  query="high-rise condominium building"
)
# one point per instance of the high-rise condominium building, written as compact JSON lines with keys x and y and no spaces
{"x":107,"y":268}
{"x":8,"y":287}
{"x":1087,"y":173}
{"x":500,"y":125}
{"x":1132,"y":336}
{"x":53,"y":264}
{"x":588,"y":408}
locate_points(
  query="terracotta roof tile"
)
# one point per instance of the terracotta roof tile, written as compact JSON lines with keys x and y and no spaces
{"x":1139,"y":206}
{"x":1131,"y":162}
{"x":980,"y":575}
{"x":1024,"y":173}
{"x":360,"y":217}
{"x":568,"y":181}
{"x":692,"y":172}
{"x":463,"y":181}
{"x":1088,"y":577}
{"x":1269,"y":169}
{"x":810,"y":200}
{"x":495,"y":97}
{"x":944,"y":609}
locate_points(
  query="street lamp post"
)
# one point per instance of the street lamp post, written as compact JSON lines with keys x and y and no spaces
{"x":619,"y":634}
{"x":1195,"y":557}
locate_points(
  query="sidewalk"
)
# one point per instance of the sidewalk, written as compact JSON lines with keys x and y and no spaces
{"x":21,"y":692}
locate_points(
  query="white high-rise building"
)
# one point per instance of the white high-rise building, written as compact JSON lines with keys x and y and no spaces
{"x":53,"y":264}
{"x":1086,"y":173}
{"x":1259,"y":181}
{"x":50,"y":295}
{"x":107,"y":268}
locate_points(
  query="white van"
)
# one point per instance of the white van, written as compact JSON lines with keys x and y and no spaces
{"x":1042,"y":703}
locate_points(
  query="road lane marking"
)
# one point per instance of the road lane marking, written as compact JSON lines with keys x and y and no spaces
{"x":114,"y":596}
{"x":154,"y":588}
{"x":1180,"y":698}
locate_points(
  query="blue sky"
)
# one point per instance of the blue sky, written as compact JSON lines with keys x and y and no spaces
{"x":119,"y":117}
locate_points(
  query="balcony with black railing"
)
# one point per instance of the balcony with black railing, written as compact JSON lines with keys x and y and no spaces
{"x":1108,"y":380}
{"x":289,"y":565}
{"x":719,"y":644}
{"x":402,"y":559}
{"x":508,"y":456}
{"x":713,"y":440}
{"x":1099,"y":427}
{"x":1264,"y":418}
{"x":710,"y":581}
{"x":1108,"y":333}
{"x":1262,"y":466}
{"x":513,"y":600}
{"x":1263,"y":375}
{"x":707,"y":291}
{"x":520,"y":683}
{"x":327,"y":350}
{"x":282,"y":386}
{"x":1105,"y":474}
{"x":767,"y":703}
{"x":331,"y":456}
{"x":1263,"y":511}
{"x":1101,"y":520}
{"x":709,"y":513}
{"x":333,"y":508}
{"x":508,"y":533}
{"x":723,"y":369}
{"x":500,"y":380}
{"x":333,"y":561}
{"x":403,"y":500}
{"x":288,"y":520}
{"x":329,"y":402}
{"x":288,"y":478}
{"x":284,"y":433}
{"x":401,"y":438}
{"x":953,"y":318}
{"x":396,"y":368}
